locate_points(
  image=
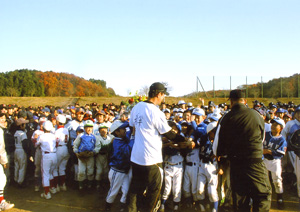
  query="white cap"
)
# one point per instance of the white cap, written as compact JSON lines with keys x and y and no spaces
{"x":181,"y":102}
{"x":42,"y":120}
{"x":198,"y":112}
{"x":88,"y":123}
{"x":61,"y":118}
{"x":214,"y":116}
{"x":115,"y":125}
{"x":190,"y":104}
{"x":278,"y":121}
{"x":211,"y":126}
{"x":48,"y":125}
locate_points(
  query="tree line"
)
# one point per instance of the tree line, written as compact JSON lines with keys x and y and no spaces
{"x":36,"y":83}
{"x":284,"y":87}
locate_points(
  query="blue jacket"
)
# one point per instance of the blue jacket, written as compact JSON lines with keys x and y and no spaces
{"x":121,"y":153}
{"x":87,"y":143}
{"x":277,"y":144}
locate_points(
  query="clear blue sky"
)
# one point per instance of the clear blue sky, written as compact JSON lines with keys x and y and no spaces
{"x":131,"y":44}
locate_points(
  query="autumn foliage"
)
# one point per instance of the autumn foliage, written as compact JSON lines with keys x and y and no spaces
{"x":36,"y":83}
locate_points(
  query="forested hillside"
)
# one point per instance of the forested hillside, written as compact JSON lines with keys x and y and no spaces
{"x":34,"y":83}
{"x":284,"y":87}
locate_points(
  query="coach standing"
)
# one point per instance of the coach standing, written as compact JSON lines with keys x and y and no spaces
{"x":240,"y":136}
{"x":149,"y":124}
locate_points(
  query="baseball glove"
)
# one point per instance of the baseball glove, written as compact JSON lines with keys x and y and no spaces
{"x":85,"y":154}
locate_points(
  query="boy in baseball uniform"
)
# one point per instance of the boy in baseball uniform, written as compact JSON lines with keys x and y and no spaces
{"x":86,"y":145}
{"x":119,"y":173}
{"x":47,"y":143}
{"x":38,"y":153}
{"x":62,"y":138}
{"x":275,"y":147}
{"x":101,"y":159}
{"x":173,"y":170}
{"x":20,"y":157}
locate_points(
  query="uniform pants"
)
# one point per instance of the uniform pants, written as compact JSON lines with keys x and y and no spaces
{"x":149,"y":179}
{"x":2,"y":180}
{"x":208,"y":174}
{"x":86,"y":167}
{"x":48,"y":166}
{"x":118,"y":180}
{"x":101,"y":166}
{"x":274,"y":166}
{"x":20,"y":159}
{"x":190,"y":181}
{"x":173,"y":181}
{"x":250,"y":181}
{"x":62,"y":159}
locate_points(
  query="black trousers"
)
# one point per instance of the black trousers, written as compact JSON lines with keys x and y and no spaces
{"x":149,"y":179}
{"x":250,"y":181}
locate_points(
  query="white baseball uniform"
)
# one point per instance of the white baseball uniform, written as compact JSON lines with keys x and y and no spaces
{"x":47,"y":142}
{"x":20,"y":157}
{"x":38,"y":153}
{"x":173,"y":174}
{"x":62,"y":138}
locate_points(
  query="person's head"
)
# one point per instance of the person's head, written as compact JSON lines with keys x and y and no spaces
{"x":21,"y":123}
{"x":88,"y":127}
{"x":103,"y":130}
{"x":167,"y":113}
{"x":79,"y":130}
{"x":182,"y":104}
{"x":199,"y":115}
{"x":46,"y":111}
{"x":100,"y":116}
{"x":175,"y":127}
{"x":211,"y":130}
{"x":41,"y":122}
{"x":118,"y":129}
{"x":277,"y":126}
{"x":157,"y":92}
{"x":124,"y":116}
{"x":287,"y":117}
{"x":2,"y":120}
{"x":61,"y":119}
{"x":237,"y":96}
{"x":280,"y":112}
{"x":47,"y":126}
{"x":79,"y":114}
{"x":185,"y":127}
{"x":297,"y":113}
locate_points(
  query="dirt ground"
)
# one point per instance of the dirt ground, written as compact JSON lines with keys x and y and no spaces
{"x":72,"y":200}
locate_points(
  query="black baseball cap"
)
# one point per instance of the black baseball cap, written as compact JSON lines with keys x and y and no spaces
{"x":158,"y":87}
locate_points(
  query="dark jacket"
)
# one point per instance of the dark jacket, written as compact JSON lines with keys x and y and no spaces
{"x":241,"y":135}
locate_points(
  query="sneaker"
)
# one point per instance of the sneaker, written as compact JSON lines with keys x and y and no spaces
{"x":53,"y":190}
{"x":201,"y":207}
{"x":57,"y":188}
{"x":46,"y":196}
{"x":63,"y":187}
{"x":6,"y":205}
{"x":36,"y":188}
{"x":176,"y":208}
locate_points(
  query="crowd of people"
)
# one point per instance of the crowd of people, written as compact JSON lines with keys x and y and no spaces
{"x":201,"y":151}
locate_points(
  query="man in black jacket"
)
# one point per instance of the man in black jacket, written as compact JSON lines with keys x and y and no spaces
{"x":240,"y":136}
